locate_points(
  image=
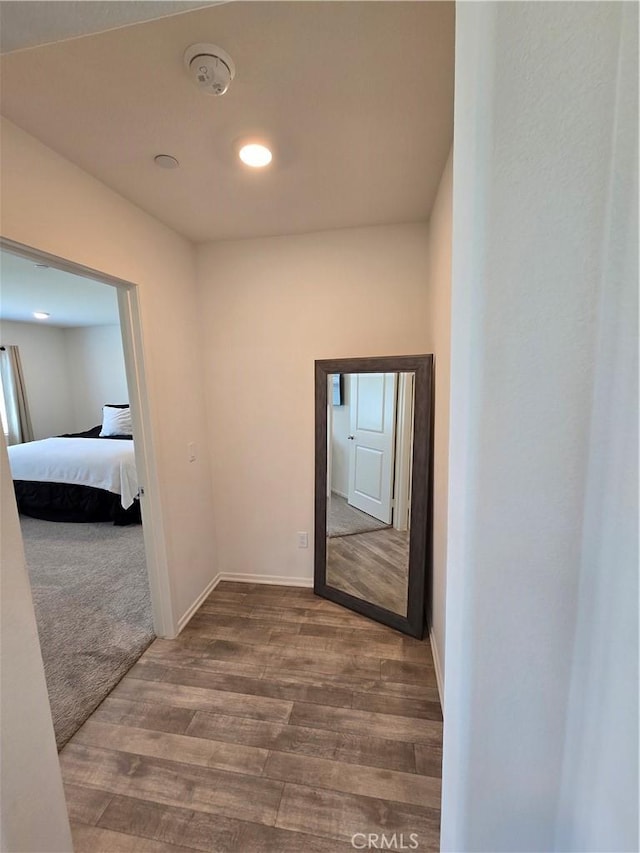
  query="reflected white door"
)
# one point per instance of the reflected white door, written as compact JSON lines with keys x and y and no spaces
{"x":372,"y":440}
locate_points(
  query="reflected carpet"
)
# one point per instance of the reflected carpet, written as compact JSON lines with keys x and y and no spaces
{"x":345,"y":520}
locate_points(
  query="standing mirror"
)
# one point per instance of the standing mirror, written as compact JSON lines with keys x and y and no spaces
{"x":373,"y":440}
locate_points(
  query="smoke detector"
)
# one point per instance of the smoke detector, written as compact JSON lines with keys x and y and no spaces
{"x":210,"y":67}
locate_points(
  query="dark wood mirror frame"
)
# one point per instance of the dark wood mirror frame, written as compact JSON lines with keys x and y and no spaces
{"x":422,"y":367}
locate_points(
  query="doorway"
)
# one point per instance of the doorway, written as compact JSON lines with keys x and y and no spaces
{"x":137,"y":589}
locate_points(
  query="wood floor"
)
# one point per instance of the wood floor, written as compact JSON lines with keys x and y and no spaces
{"x":373,"y":566}
{"x":277,"y":722}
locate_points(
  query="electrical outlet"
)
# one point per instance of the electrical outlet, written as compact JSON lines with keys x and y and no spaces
{"x":303,"y":539}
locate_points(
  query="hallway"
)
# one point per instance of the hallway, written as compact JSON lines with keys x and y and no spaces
{"x":277,"y":721}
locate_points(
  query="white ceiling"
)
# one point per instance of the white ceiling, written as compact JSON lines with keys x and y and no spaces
{"x":356,"y":99}
{"x":27,"y":24}
{"x":71,"y":300}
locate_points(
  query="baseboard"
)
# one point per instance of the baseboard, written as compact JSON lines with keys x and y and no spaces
{"x":438,"y":668}
{"x":275,"y":580}
{"x":184,"y":619}
{"x":341,"y":494}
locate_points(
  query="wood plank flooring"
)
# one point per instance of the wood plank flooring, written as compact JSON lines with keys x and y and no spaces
{"x":373,"y":566}
{"x":277,"y":722}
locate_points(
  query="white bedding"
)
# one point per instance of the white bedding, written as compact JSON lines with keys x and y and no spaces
{"x":103,"y":463}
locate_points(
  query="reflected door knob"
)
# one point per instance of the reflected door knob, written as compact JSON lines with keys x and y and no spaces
{"x":351,"y":437}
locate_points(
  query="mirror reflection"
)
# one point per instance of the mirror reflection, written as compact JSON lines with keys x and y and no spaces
{"x":369,"y":458}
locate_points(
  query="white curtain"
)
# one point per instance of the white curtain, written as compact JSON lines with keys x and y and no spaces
{"x":15,"y":396}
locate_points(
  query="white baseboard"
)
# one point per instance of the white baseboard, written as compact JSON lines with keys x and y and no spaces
{"x":341,"y":494}
{"x":275,"y":580}
{"x":438,"y":667}
{"x":182,"y":621}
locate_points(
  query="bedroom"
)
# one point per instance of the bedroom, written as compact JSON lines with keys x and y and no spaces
{"x":62,"y":365}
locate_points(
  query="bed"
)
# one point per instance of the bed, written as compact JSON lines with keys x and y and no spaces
{"x":77,"y":477}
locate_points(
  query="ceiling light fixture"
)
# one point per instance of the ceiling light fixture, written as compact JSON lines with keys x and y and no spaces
{"x":166,"y":161}
{"x":41,"y":266}
{"x":255,"y":155}
{"x":41,"y":315}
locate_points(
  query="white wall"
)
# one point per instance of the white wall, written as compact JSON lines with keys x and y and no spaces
{"x":541,"y":627}
{"x":70,"y":373}
{"x":44,"y":364}
{"x":51,"y":204}
{"x":33,"y":817}
{"x":599,"y":794}
{"x":340,"y":444}
{"x":270,"y":307}
{"x":438,"y":319}
{"x":96,"y":372}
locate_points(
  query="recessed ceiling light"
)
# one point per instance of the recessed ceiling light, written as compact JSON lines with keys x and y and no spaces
{"x":255,"y":155}
{"x":166,"y":161}
{"x":41,"y":315}
{"x":41,"y":266}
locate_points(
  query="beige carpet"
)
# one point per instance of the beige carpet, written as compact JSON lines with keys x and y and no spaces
{"x":345,"y":520}
{"x":93,"y":611}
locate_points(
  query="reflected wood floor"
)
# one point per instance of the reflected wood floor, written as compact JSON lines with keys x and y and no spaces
{"x":277,"y":722}
{"x":373,"y":566}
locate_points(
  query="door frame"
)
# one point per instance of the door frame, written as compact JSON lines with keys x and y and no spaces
{"x":329,"y":442}
{"x":404,"y":443}
{"x":162,"y":598}
{"x":422,"y":367}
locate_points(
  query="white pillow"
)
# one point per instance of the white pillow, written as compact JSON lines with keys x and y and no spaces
{"x":116,"y":421}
